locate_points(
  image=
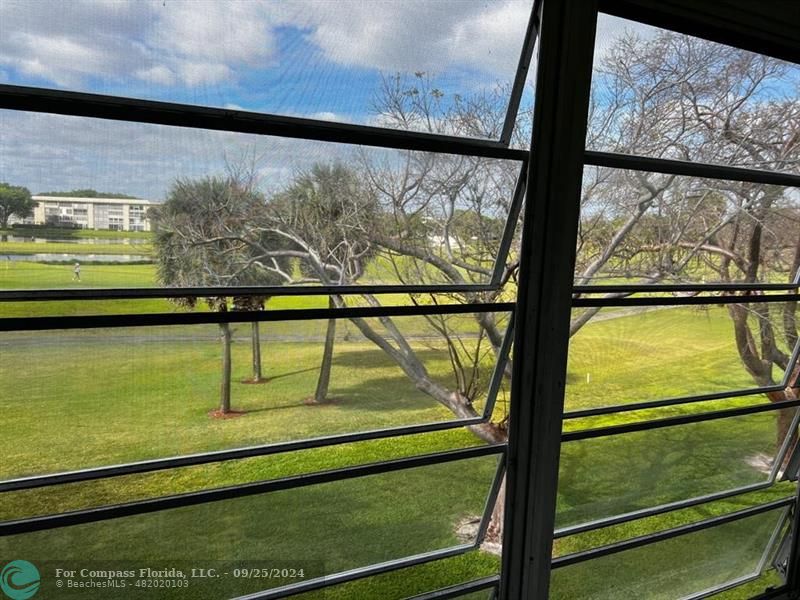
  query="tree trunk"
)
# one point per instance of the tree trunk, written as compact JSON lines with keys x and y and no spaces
{"x":494,"y":533}
{"x":785,"y":417}
{"x":408,"y":361}
{"x":405,"y":357}
{"x":225,"y":384}
{"x":256,"y":352}
{"x":784,"y":420}
{"x":321,"y":393}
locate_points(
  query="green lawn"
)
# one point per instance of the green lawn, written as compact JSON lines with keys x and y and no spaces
{"x":88,"y":398}
{"x":151,"y":390}
{"x":143,"y":249}
{"x":32,"y":275}
{"x":61,"y":233}
{"x":673,"y":568}
{"x":655,"y":354}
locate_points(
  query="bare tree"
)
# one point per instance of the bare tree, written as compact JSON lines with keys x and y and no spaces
{"x":681,"y":97}
{"x":434,"y":218}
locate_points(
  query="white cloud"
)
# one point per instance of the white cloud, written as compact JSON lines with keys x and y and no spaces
{"x":169,"y":43}
{"x":324,"y":115}
{"x":66,"y":43}
{"x":195,"y":73}
{"x":195,"y":42}
{"x":53,"y":152}
{"x":492,"y":38}
{"x":214,"y":31}
{"x":57,"y":58}
{"x":419,"y":35}
{"x":158,"y":74}
{"x":155,"y":41}
{"x":205,"y":41}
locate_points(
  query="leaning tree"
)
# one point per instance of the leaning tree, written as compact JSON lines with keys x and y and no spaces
{"x":670,"y":96}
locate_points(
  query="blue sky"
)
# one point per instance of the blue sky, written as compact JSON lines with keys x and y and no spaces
{"x":289,"y":56}
{"x":316,"y":58}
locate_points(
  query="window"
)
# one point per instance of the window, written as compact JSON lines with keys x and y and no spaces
{"x":312,"y":308}
{"x":350,"y":319}
{"x":680,"y":415}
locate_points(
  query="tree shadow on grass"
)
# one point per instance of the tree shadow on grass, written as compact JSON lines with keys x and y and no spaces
{"x":375,"y":358}
{"x":264,"y":380}
{"x":297,"y":404}
{"x":394,"y":392}
{"x":383,"y":394}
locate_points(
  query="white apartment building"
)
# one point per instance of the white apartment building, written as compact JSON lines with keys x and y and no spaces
{"x":116,"y":214}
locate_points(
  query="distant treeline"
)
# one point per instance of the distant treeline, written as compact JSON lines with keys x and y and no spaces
{"x":88,"y":193}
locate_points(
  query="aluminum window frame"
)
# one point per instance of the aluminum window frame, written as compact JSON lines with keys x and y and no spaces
{"x":152,"y":505}
{"x":675,"y":532}
{"x":154,"y":112}
{"x":541,"y":312}
{"x":679,"y":421}
{"x":577,"y":21}
{"x":118,"y":108}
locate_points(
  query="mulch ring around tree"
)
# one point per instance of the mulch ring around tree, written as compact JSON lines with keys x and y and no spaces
{"x":231,"y":414}
{"x":329,"y":400}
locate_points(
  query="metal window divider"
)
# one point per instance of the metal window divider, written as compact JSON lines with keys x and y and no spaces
{"x":392,"y":565}
{"x":635,"y":406}
{"x":634,"y":162}
{"x":547,"y":257}
{"x":651,"y":538}
{"x":154,"y":112}
{"x":150,"y":505}
{"x":582,"y":434}
{"x":261,"y":316}
{"x":518,"y":87}
{"x":456,"y":591}
{"x":65,"y":102}
{"x":93,"y":515}
{"x":512,"y":220}
{"x":697,"y":500}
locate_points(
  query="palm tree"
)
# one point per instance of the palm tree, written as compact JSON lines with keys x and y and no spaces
{"x":196,"y":246}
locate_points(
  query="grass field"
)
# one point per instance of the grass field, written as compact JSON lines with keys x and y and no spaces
{"x":61,"y":233}
{"x":144,"y":250}
{"x":88,"y":398}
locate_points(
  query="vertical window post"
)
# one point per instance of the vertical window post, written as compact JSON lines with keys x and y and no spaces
{"x":546,"y":274}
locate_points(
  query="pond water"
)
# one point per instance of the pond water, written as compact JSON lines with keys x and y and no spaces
{"x":82,"y":240}
{"x":53,"y":257}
